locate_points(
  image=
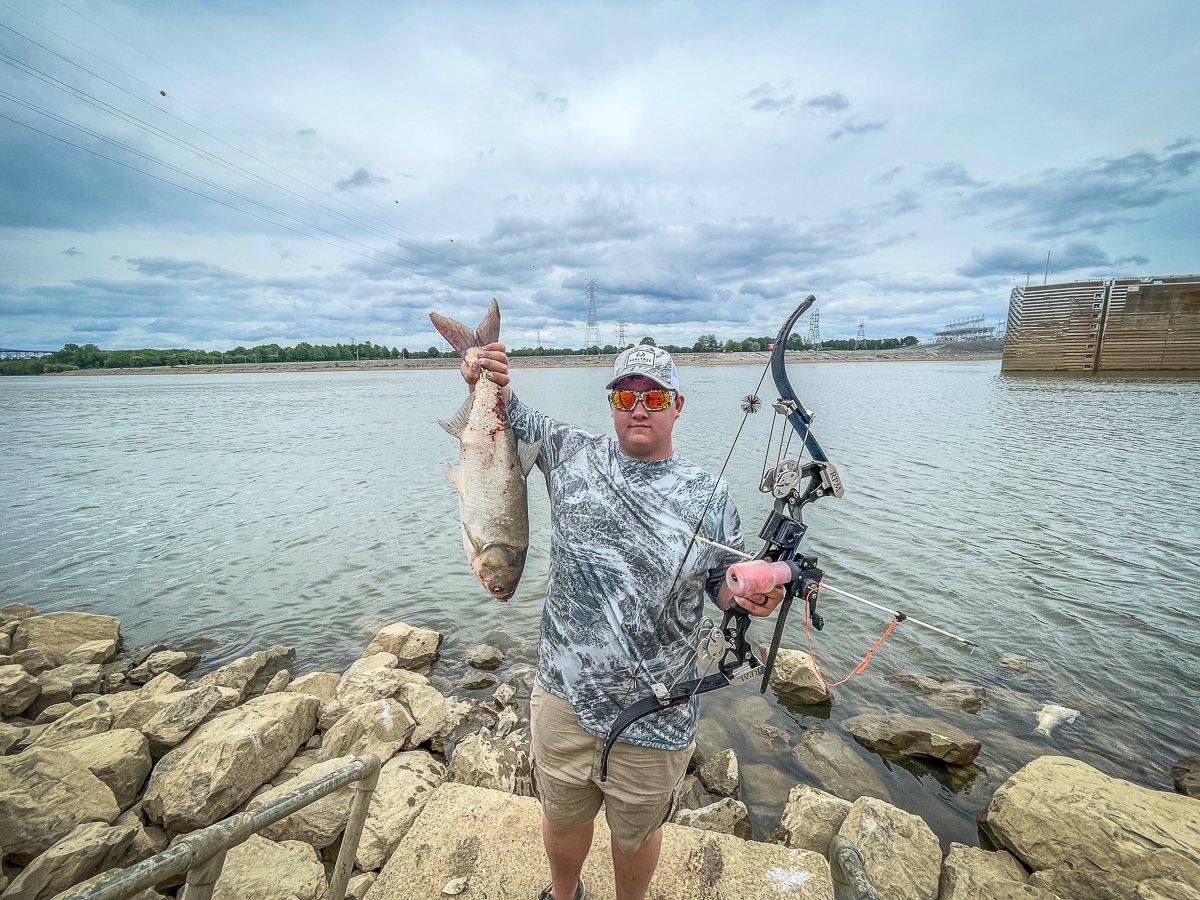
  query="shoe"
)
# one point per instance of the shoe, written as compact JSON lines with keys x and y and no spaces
{"x":548,"y":892}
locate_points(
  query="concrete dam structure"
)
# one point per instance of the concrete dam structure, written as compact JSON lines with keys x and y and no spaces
{"x":1112,"y":326}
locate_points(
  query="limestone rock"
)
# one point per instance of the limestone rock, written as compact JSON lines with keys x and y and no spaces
{"x":477,"y":681}
{"x":121,"y":759}
{"x":175,"y":721}
{"x":720,"y":774}
{"x":501,"y":764}
{"x":266,"y":870}
{"x":967,"y":870}
{"x":82,"y":721}
{"x":358,"y":885}
{"x":504,"y":695}
{"x":278,"y":682}
{"x":63,"y":682}
{"x":322,"y":685}
{"x":139,"y":708}
{"x":166,"y":683}
{"x":18,"y":689}
{"x":900,"y":852}
{"x":726,"y":816}
{"x":220,"y":764}
{"x":493,"y":841}
{"x":88,"y":850}
{"x":148,"y":840}
{"x":406,"y":781}
{"x":1186,"y":775}
{"x":1088,"y":883}
{"x":1060,"y":812}
{"x":329,"y":713}
{"x":10,"y":736}
{"x":690,"y":794}
{"x":58,"y":633}
{"x":944,"y":692}
{"x":898,"y":736}
{"x":415,"y":648}
{"x":437,"y":716}
{"x":250,"y":674}
{"x":834,"y":765}
{"x":176,"y":662}
{"x":484,"y":656}
{"x":811,"y":819}
{"x":100,"y":651}
{"x":795,"y":678}
{"x":148,"y":894}
{"x":381,"y":727}
{"x":1018,"y":664}
{"x":319,"y":823}
{"x":16,"y":612}
{"x":44,"y":794}
{"x":369,"y":683}
{"x":54,"y":713}
{"x":35,"y":661}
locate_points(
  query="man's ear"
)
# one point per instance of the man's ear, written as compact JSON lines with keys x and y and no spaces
{"x":678,"y":405}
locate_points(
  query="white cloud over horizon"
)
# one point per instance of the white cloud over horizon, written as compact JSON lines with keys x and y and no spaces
{"x":709,"y":168}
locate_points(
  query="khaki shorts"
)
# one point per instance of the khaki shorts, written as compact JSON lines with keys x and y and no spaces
{"x":642,"y":781}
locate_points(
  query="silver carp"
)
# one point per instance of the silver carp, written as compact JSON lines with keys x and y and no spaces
{"x":490,"y":478}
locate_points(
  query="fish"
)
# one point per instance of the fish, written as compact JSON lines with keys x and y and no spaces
{"x":492,"y":468}
{"x":1052,"y":715}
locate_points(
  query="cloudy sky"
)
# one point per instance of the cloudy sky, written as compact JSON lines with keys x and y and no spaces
{"x":323,"y":173}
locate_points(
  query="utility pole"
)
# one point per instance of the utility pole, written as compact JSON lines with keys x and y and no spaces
{"x":814,"y":330}
{"x":1026,"y":274}
{"x":591,"y":334}
{"x":1046,"y":277}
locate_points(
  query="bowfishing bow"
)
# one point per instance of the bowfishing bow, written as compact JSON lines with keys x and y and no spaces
{"x":793,"y":484}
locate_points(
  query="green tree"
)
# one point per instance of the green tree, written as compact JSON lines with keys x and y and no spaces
{"x":648,"y":341}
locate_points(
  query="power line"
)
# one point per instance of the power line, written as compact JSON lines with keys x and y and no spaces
{"x":591,"y":334}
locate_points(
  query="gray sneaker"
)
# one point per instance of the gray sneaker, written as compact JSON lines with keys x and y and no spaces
{"x":548,"y":892}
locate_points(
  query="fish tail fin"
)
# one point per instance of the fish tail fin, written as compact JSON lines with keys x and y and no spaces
{"x":462,"y":338}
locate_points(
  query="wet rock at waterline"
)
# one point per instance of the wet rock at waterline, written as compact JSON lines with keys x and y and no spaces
{"x":836,"y":767}
{"x":1185,"y":775}
{"x":250,"y":675}
{"x":690,"y":794}
{"x":477,"y":681}
{"x":811,"y":819}
{"x":968,"y":871}
{"x":900,"y":736}
{"x":58,"y":633}
{"x":1018,"y":664}
{"x":726,"y":816}
{"x":414,"y":648}
{"x":795,"y":677}
{"x":720,"y":774}
{"x":100,"y":651}
{"x":900,"y":853}
{"x":174,"y":661}
{"x":484,"y":656}
{"x":944,"y":692}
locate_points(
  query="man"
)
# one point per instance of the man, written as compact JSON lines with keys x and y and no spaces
{"x":622,"y":513}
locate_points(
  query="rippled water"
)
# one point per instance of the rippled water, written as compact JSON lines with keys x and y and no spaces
{"x":1058,"y":518}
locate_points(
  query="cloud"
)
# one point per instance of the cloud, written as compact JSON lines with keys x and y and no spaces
{"x":72,"y":251}
{"x":1016,"y":259}
{"x":951,"y":174}
{"x":1091,"y":198}
{"x":853,"y":126}
{"x":1180,"y":143}
{"x":554,"y":104}
{"x":307,"y":132}
{"x":770,"y":98}
{"x":833,"y":102}
{"x":888,"y":176}
{"x":360,"y":178}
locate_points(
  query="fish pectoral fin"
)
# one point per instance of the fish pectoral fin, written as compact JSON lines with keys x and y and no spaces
{"x":457,"y":424}
{"x":452,"y":477}
{"x":470,"y":542}
{"x":528,"y":454}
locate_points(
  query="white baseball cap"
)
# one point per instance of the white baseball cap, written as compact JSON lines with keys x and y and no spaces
{"x":642,"y":359}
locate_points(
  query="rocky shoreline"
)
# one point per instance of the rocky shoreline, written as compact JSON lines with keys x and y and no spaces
{"x":107,"y":755}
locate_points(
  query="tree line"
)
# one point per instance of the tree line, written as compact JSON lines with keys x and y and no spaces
{"x":88,"y":356}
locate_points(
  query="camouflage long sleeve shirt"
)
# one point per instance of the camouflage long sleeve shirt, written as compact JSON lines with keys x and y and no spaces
{"x":619,"y":529}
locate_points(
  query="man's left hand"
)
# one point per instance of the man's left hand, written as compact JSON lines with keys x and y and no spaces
{"x":761,"y":604}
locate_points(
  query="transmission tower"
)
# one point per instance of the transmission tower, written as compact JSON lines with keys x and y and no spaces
{"x":591,"y":334}
{"x":860,"y":340}
{"x":814,"y":330}
{"x":621,"y":334}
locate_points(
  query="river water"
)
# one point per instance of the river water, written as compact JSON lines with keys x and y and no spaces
{"x":1055,"y":518}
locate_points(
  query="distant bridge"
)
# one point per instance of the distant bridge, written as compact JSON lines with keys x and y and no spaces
{"x":9,"y":353}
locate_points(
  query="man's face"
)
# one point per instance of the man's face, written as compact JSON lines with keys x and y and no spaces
{"x":641,"y":433}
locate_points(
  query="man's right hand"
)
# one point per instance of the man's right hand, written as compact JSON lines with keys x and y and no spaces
{"x":493,"y":359}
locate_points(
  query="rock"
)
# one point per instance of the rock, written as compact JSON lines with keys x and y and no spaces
{"x":944,"y":692}
{"x":319,"y":823}
{"x":143,"y":653}
{"x":59,"y":633}
{"x":80,"y":699}
{"x":415,"y":648}
{"x":832,"y":763}
{"x":174,"y":661}
{"x":29,"y":734}
{"x":504,"y":695}
{"x":726,"y":816}
{"x":148,"y":894}
{"x":266,"y":870}
{"x":121,"y":759}
{"x":795,"y":677}
{"x":175,"y":721}
{"x":63,"y":682}
{"x":720,"y":774}
{"x":140,"y":708}
{"x":358,"y":885}
{"x":493,"y":840}
{"x":967,"y":870}
{"x":44,"y":795}
{"x":437,"y":716}
{"x":1018,"y":664}
{"x":484,"y":656}
{"x":10,"y":736}
{"x":381,"y":727}
{"x":16,"y":612}
{"x":500,"y":764}
{"x":322,"y":685}
{"x":112,"y":682}
{"x":406,"y":781}
{"x":250,"y":674}
{"x":811,"y":819}
{"x":1185,"y":774}
{"x":18,"y":689}
{"x":82,"y":721}
{"x":88,"y":850}
{"x":900,"y":852}
{"x":506,"y":722}
{"x":1059,"y":812}
{"x":690,"y":794}
{"x":53,"y":713}
{"x":1084,"y":883}
{"x":220,"y":764}
{"x":297,"y":764}
{"x":278,"y":682}
{"x":329,"y":713}
{"x":166,"y":683}
{"x":148,"y":840}
{"x":314,"y":742}
{"x":477,"y":681}
{"x":898,"y":736}
{"x":364,"y":684}
{"x":35,"y":662}
{"x":1052,"y":715}
{"x":100,"y":651}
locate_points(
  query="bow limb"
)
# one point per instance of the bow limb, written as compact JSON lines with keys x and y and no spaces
{"x":798,"y":415}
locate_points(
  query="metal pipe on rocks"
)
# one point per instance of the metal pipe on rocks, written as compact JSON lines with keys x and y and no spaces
{"x":201,"y":854}
{"x":848,"y":869}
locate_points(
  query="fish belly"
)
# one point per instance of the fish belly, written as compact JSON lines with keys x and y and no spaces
{"x":493,"y":502}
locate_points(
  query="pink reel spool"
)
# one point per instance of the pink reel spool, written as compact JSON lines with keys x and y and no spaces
{"x":756,"y":576}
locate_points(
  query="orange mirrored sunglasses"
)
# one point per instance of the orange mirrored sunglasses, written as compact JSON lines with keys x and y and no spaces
{"x":654,"y":400}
